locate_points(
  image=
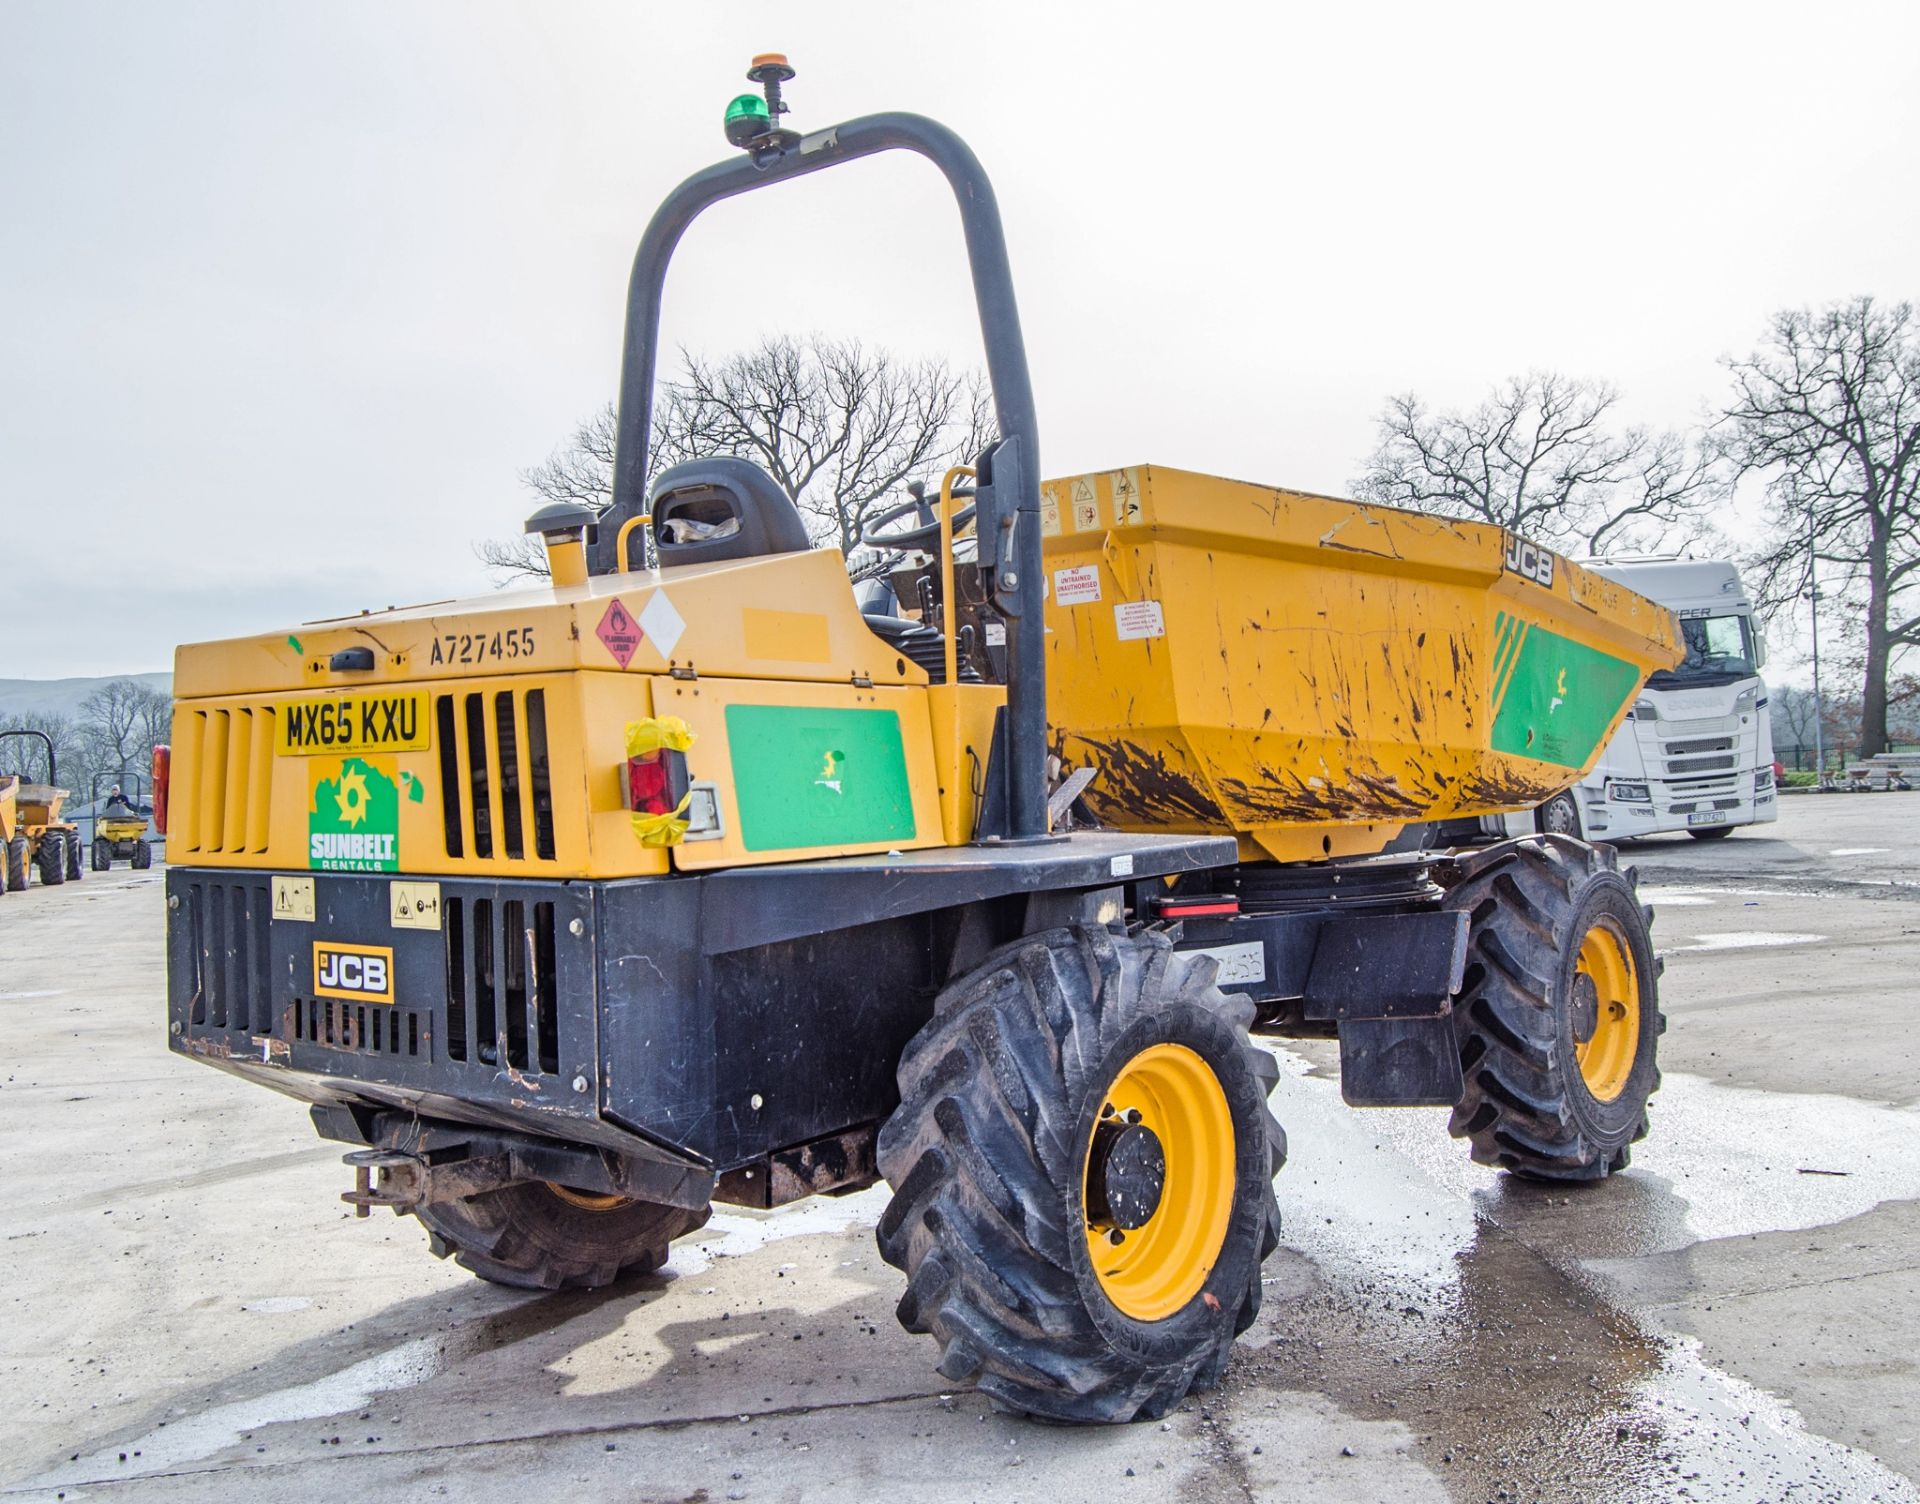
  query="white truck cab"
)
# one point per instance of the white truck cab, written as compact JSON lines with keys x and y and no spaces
{"x":1696,"y":752}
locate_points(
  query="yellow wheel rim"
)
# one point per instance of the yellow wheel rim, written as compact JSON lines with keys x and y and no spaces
{"x":1606,"y":965}
{"x":586,"y":1200}
{"x":1152,"y":1271}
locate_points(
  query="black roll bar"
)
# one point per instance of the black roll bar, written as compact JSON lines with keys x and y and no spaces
{"x":1017,"y":584}
{"x":53,"y":772}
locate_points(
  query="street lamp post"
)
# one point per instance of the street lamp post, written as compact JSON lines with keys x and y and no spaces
{"x":1813,"y":599}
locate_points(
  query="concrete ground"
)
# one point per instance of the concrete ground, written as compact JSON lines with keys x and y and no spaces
{"x":189,"y":1311}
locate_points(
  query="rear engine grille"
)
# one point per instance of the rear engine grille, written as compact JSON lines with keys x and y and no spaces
{"x":501,"y":983}
{"x":230,"y":923}
{"x":370,"y":1029}
{"x":496,"y":792}
{"x":227,"y":762}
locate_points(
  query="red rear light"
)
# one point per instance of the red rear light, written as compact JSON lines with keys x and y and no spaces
{"x":648,"y":784}
{"x":1197,"y":906}
{"x":162,"y":775}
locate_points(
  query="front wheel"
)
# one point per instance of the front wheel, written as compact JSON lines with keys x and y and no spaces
{"x":142,"y":855}
{"x":1560,"y":816}
{"x":1558,"y":1018}
{"x":51,"y":858}
{"x":537,"y":1236}
{"x":75,"y":870}
{"x":1082,"y":1164}
{"x":102,"y":854}
{"x":16,"y":850}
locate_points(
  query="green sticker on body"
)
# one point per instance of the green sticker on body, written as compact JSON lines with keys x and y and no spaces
{"x":806,"y":777}
{"x":1554,"y":700}
{"x":353,"y":815}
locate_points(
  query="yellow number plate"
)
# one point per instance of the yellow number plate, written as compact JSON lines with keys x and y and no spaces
{"x":354,"y":723}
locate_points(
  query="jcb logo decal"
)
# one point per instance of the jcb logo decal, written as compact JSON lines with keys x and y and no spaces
{"x":359,"y":973}
{"x":1529,"y":560}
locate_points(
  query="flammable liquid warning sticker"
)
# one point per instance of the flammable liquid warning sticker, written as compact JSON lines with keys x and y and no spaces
{"x":619,"y":632}
{"x":353,"y":814}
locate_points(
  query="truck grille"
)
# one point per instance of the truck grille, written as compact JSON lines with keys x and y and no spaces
{"x":227,"y":762}
{"x":496,"y":793}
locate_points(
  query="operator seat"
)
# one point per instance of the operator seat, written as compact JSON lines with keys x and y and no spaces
{"x":721,"y":508}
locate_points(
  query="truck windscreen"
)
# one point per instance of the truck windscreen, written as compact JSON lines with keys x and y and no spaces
{"x":1719,"y":650}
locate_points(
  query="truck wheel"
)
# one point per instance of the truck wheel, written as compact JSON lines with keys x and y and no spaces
{"x":102,"y":854}
{"x":1558,"y":1018}
{"x":1713,"y":832}
{"x":51,"y":858}
{"x":537,"y":1236}
{"x":142,"y":855}
{"x":17,"y":865}
{"x":1082,"y":1163}
{"x":1559,"y":816}
{"x":75,"y":871}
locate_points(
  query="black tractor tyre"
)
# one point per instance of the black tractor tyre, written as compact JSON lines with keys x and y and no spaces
{"x":1559,"y":816}
{"x":536,"y":1236}
{"x":1528,"y":1106}
{"x":102,"y":854}
{"x":51,"y":858}
{"x":17,"y":864}
{"x":142,"y":855}
{"x":75,"y":868}
{"x":1712,"y":832}
{"x":990,"y":1155}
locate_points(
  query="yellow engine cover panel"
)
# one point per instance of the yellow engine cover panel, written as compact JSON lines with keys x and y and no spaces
{"x":1313,"y":674}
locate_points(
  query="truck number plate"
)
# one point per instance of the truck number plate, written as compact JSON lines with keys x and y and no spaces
{"x":1707,"y":817}
{"x":353,"y":723}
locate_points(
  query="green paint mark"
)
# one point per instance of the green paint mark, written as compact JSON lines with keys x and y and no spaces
{"x":294,"y":643}
{"x":416,"y":790}
{"x":805,"y":777}
{"x":1561,"y":697}
{"x":353,"y":821}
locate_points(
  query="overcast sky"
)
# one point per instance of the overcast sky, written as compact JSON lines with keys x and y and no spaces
{"x":289,"y":294}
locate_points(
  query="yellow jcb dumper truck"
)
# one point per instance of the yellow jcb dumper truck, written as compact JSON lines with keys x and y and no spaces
{"x":574,"y":909}
{"x":32,"y":834}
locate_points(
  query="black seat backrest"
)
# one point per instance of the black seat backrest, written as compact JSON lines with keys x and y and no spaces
{"x":753,"y":515}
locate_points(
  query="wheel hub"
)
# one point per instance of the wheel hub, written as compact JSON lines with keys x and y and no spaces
{"x":1586,"y":1007}
{"x":1126,"y":1173}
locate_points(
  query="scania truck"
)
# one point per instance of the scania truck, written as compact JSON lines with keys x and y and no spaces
{"x":1696,"y":750}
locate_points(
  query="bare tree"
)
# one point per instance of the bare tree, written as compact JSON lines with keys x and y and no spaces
{"x":26,"y":756}
{"x":1793,"y":712}
{"x":839,"y":426}
{"x":1828,"y":412}
{"x":1538,"y":458}
{"x":120,"y":723}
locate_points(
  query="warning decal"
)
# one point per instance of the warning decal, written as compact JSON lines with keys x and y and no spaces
{"x":1076,"y":587}
{"x":620,"y":632}
{"x":1137,"y":619}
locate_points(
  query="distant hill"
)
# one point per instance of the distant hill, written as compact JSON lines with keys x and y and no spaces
{"x":20,"y":697}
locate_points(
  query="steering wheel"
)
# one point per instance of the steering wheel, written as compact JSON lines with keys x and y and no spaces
{"x":922,"y":539}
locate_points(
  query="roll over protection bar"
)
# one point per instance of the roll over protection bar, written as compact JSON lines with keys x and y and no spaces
{"x":1009,"y":489}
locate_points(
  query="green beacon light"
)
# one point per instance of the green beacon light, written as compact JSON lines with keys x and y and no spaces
{"x":746,"y":119}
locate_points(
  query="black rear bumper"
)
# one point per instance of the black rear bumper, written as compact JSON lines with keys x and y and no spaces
{"x":700,"y":1020}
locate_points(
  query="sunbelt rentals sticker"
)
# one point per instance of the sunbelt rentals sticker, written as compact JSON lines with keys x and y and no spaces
{"x":353,"y":814}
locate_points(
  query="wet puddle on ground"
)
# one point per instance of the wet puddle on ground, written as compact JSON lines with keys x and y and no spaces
{"x":1437,"y":1292}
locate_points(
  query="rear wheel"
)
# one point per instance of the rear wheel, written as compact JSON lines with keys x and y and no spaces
{"x":102,"y":854}
{"x":1558,"y":1018}
{"x":538,"y":1236}
{"x":51,"y":858}
{"x":75,"y":870}
{"x":1560,"y":816}
{"x":142,"y":855}
{"x":1712,"y":832}
{"x":17,"y":864}
{"x":1083,"y":1164}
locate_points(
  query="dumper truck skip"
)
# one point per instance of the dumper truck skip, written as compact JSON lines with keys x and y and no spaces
{"x":685,"y":878}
